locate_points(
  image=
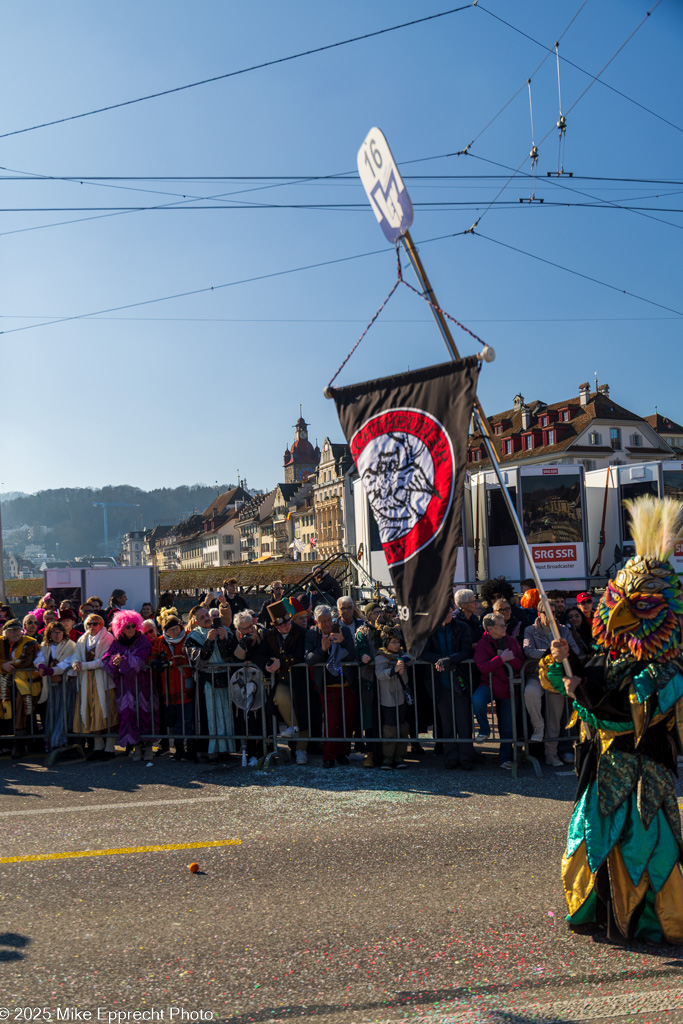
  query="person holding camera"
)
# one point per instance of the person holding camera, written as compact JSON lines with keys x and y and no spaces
{"x":328,"y":644}
{"x":209,"y":648}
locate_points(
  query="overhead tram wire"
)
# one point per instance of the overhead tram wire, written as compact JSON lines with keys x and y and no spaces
{"x":240,"y":71}
{"x":578,"y":273}
{"x":516,"y":94}
{"x":428,"y":206}
{"x":552,"y":180}
{"x":313,"y":266}
{"x":343,"y":178}
{"x":594,"y":79}
{"x":629,"y":99}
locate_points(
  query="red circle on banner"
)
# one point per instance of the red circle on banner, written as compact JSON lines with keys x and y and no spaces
{"x":405,"y":459}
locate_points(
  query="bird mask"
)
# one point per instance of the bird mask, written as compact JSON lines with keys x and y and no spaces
{"x":641,"y":611}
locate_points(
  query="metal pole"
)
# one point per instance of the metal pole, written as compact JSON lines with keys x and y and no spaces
{"x":480,"y":419}
{"x":3,"y":596}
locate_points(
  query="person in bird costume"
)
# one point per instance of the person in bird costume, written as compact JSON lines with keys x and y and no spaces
{"x":621,"y":870}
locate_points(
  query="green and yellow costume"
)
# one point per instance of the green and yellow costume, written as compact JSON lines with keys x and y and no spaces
{"x":622,"y":867}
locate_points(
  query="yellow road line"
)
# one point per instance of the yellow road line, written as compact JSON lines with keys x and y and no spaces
{"x":118,"y":850}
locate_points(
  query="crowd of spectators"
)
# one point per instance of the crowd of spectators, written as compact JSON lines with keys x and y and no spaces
{"x":208,"y":688}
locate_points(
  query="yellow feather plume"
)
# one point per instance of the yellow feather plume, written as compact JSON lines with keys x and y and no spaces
{"x":656,"y":525}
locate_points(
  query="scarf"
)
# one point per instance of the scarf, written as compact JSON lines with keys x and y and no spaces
{"x":128,"y":641}
{"x":199,"y":634}
{"x":177,"y":640}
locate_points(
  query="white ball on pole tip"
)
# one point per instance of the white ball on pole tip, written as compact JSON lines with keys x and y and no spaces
{"x":487,"y":354}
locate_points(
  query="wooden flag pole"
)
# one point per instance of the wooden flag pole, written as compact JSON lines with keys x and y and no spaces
{"x":482,"y":423}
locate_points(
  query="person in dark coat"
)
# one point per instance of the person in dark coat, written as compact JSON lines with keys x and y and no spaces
{"x":446,"y":650}
{"x":276,"y":593}
{"x":328,"y":648}
{"x":465,"y":612}
{"x":235,"y":600}
{"x":281,"y":656}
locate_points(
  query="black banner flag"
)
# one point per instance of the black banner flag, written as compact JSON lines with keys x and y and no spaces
{"x":408,"y":437}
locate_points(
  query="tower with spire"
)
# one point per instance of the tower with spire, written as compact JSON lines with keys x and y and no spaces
{"x":302,"y":457}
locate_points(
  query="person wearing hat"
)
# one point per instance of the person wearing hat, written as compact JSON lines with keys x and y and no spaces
{"x":276,"y":593}
{"x":18,"y":654}
{"x":325,"y":587}
{"x":281,"y":657}
{"x":584,"y":602}
{"x":67,"y":617}
{"x":393,"y":682}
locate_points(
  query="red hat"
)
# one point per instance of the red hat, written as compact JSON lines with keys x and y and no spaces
{"x":296,"y":606}
{"x":583,"y":597}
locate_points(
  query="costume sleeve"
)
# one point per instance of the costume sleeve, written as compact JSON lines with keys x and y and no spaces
{"x":552,"y":673}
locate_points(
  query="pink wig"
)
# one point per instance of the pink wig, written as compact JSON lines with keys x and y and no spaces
{"x":125,"y":618}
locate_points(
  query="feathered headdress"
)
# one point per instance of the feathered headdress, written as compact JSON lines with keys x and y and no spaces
{"x":642,"y":608}
{"x":656,"y":524}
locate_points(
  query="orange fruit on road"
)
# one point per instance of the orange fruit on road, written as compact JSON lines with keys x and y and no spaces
{"x":193,"y":867}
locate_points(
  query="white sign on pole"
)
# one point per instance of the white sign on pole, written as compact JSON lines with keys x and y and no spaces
{"x":384,"y":186}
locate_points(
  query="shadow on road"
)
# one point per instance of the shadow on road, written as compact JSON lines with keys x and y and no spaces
{"x":426,"y":776}
{"x":16,"y":942}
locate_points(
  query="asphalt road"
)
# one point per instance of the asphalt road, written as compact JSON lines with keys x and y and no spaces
{"x":353,"y":896}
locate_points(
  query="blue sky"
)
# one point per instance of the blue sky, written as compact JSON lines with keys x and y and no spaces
{"x":192,"y":389}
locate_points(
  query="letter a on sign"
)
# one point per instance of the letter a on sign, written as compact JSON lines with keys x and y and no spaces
{"x":384,"y":186}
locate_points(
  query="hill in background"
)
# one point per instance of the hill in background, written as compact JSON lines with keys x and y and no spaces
{"x":66,"y":524}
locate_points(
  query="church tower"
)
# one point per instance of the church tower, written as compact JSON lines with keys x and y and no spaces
{"x":302,"y":457}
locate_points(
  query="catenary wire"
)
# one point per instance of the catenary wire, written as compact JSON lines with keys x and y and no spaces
{"x":240,"y":71}
{"x":583,"y":71}
{"x":325,"y":263}
{"x":534,"y":72}
{"x":594,"y":79}
{"x":578,"y":273}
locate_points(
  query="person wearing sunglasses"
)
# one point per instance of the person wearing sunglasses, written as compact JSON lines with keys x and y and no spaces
{"x":136,"y":698}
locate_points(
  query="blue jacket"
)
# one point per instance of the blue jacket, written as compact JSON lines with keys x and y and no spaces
{"x":452,"y":642}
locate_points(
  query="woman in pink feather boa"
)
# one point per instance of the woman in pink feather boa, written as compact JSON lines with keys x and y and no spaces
{"x":136,"y":700}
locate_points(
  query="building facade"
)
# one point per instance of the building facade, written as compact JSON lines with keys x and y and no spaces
{"x":333,"y":500}
{"x":589,"y":429}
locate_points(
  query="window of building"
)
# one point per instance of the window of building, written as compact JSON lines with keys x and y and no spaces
{"x":529,"y":441}
{"x":498,"y":428}
{"x":476,"y":455}
{"x":636,"y":441}
{"x":507,"y":447}
{"x":552,"y":437}
{"x":545,"y":420}
{"x":615,"y":438}
{"x":565,"y":416}
{"x":594,"y":438}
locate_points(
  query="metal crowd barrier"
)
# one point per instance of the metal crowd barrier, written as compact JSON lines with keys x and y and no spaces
{"x":233,"y":711}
